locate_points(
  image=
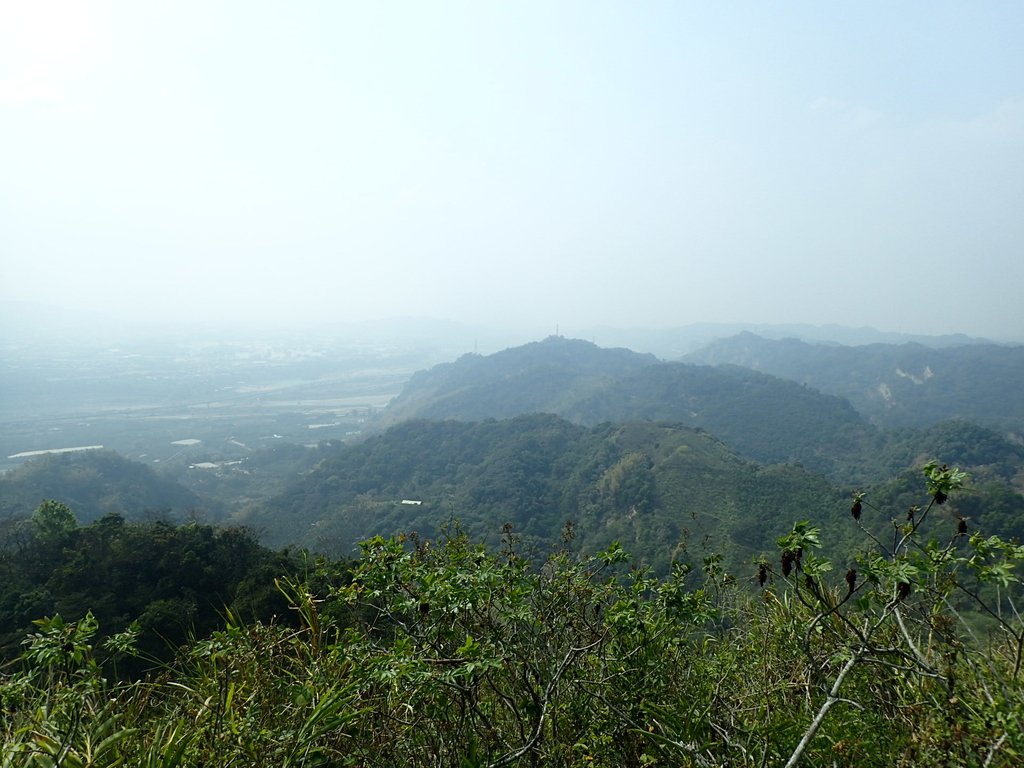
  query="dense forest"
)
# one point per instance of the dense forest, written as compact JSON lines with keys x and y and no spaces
{"x":555,"y":555}
{"x":170,"y":582}
{"x":654,"y":487}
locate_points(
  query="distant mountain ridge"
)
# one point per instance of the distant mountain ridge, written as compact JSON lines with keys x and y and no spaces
{"x":675,"y":343}
{"x":893,"y":385}
{"x":761,"y":416}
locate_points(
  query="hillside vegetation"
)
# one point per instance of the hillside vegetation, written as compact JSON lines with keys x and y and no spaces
{"x":94,"y":484}
{"x":657,"y":488}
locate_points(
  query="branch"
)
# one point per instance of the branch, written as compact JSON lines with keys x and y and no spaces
{"x":549,"y":692}
{"x":830,"y":701}
{"x":918,"y":656}
{"x":993,"y":749}
{"x":689,"y":749}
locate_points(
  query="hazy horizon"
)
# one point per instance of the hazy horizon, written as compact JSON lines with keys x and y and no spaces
{"x":533,"y":166}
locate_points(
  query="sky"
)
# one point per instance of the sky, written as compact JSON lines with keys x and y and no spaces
{"x":543,"y":164}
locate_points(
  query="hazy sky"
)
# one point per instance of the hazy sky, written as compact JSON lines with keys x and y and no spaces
{"x":626,"y":163}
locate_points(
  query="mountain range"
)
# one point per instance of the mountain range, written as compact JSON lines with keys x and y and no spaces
{"x":893,"y":385}
{"x":665,"y":457}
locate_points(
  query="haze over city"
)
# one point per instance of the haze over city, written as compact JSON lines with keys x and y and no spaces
{"x":524,"y":164}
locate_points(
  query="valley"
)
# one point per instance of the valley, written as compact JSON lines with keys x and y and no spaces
{"x":191,"y":404}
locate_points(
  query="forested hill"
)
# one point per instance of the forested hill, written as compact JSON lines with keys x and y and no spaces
{"x":93,"y":484}
{"x":541,"y":377}
{"x":893,"y":385}
{"x":650,"y":486}
{"x":761,"y":416}
{"x":653,"y":486}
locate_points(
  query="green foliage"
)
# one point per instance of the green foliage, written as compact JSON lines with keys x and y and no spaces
{"x":896,"y":616}
{"x":150,"y":585}
{"x":53,"y":521}
{"x":905,"y":650}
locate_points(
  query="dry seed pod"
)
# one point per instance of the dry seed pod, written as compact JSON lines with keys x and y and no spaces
{"x":787,"y":562}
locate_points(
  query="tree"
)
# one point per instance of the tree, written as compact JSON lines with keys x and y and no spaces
{"x":53,"y":521}
{"x":895,"y":615}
